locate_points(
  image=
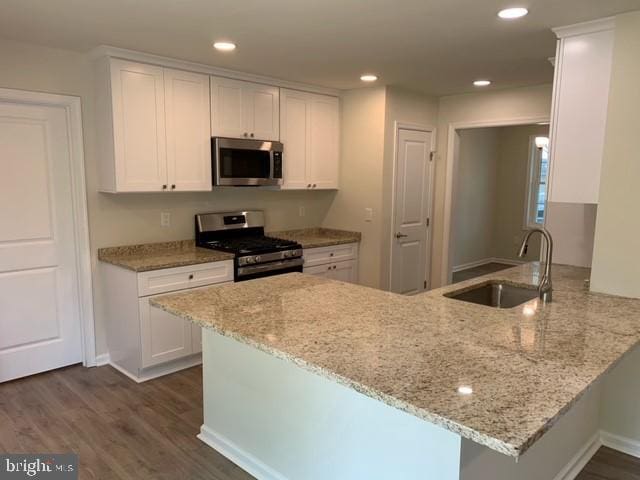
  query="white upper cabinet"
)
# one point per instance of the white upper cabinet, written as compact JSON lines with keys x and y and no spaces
{"x":159,"y":120}
{"x":139,"y":138}
{"x":188,"y":127}
{"x":580,"y":98}
{"x":244,"y":109}
{"x":311,"y":137}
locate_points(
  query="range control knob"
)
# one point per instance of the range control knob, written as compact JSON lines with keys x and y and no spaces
{"x":249,"y":260}
{"x":287,"y":253}
{"x":256,"y":259}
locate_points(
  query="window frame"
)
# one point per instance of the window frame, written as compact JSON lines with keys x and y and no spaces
{"x":533,"y":184}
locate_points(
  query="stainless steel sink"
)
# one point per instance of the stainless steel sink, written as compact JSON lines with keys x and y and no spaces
{"x":495,"y":294}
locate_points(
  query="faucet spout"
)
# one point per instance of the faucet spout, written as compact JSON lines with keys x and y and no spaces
{"x":544,"y":287}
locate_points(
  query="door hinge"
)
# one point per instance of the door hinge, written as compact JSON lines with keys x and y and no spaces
{"x":425,"y":284}
{"x":432,"y":155}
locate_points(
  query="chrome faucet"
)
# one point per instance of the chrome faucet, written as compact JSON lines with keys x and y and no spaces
{"x":544,"y":287}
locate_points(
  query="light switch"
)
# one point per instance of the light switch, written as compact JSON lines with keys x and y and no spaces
{"x":368,"y":214}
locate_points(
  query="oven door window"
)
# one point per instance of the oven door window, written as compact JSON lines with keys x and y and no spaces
{"x":238,"y":163}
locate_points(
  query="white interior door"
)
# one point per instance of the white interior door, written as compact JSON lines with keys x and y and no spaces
{"x":412,"y":197}
{"x":39,"y":300}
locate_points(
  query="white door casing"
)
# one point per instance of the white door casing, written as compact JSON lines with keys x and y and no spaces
{"x":44,"y":239}
{"x":410,"y":242}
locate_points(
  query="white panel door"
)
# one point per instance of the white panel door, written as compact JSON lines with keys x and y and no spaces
{"x":295,"y":135}
{"x":412,"y":197}
{"x":188,"y":130}
{"x":322,"y":168}
{"x":164,"y":336}
{"x":39,"y":307}
{"x":228,"y":110}
{"x":263,"y":111}
{"x":139,"y":127}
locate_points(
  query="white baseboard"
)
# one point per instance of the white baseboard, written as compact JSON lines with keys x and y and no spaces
{"x":244,"y":460}
{"x":102,"y":360}
{"x":580,"y":459}
{"x":160,"y":370}
{"x":485,"y":261}
{"x":621,"y":444}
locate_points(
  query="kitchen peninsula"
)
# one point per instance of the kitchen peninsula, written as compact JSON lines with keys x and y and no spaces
{"x":310,"y":378}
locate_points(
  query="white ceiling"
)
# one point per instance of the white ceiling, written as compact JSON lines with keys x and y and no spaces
{"x":434,"y":46}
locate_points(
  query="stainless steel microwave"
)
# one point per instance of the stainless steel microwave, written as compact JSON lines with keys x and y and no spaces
{"x":237,"y":162}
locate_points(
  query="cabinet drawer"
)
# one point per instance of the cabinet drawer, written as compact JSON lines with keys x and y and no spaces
{"x":179,"y":278}
{"x":334,"y":253}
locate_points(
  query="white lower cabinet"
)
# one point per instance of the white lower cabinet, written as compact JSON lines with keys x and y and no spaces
{"x":145,"y":342}
{"x":337,"y":262}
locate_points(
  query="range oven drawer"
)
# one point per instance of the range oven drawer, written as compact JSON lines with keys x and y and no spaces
{"x":268,"y":269}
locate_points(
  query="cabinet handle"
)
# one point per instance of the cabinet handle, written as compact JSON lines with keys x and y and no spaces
{"x":191,"y":276}
{"x":173,"y":187}
{"x":164,"y":187}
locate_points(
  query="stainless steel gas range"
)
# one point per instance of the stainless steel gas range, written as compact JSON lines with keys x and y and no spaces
{"x":242,"y":233}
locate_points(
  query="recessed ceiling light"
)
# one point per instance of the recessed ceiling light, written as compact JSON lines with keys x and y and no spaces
{"x":224,"y":46}
{"x":511,"y":13}
{"x":482,"y":83}
{"x":368,"y":77}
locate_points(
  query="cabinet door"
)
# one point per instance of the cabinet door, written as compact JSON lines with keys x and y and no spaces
{"x":581,"y":94}
{"x":139,"y":138}
{"x":164,"y":336}
{"x":188,"y":130}
{"x":322,"y":168}
{"x":262,"y":111}
{"x":228,"y":108}
{"x":295,"y":132}
{"x":344,"y":271}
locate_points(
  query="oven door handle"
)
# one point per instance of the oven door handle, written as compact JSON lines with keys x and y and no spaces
{"x":271,"y":266}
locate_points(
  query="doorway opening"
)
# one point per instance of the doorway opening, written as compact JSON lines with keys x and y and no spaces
{"x":499,"y":190}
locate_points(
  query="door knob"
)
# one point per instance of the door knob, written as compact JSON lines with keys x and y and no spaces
{"x":401,"y":235}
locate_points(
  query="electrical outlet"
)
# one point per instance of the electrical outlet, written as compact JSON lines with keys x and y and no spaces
{"x":302,"y":211}
{"x":165,"y":219}
{"x":368,"y":214}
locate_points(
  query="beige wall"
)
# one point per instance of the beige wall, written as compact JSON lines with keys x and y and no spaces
{"x":361,"y":168}
{"x":513,"y":176}
{"x":490,"y":188}
{"x":616,"y":264}
{"x":474,"y":196}
{"x":491,"y":106}
{"x":132,"y":218}
{"x":405,"y":107}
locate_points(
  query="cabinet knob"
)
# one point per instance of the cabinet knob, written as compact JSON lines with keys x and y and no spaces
{"x":331,"y":254}
{"x":309,"y":186}
{"x":246,"y":134}
{"x":251,"y":135}
{"x":334,"y":267}
{"x":329,"y":267}
{"x":191,"y":276}
{"x":164,"y":187}
{"x":173,"y":187}
{"x":314,"y":185}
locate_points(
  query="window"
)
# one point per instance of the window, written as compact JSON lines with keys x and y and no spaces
{"x":538,"y":181}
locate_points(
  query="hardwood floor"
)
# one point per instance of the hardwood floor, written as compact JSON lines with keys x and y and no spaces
{"x":609,"y":464}
{"x":123,"y":430}
{"x":120,"y":429}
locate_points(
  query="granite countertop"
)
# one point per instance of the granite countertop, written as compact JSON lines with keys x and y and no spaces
{"x":526,"y":365}
{"x":318,"y":237}
{"x":156,"y":256}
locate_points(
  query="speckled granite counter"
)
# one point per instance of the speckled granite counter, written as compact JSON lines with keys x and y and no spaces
{"x":527,"y":365}
{"x":318,"y":237}
{"x":155,"y":256}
